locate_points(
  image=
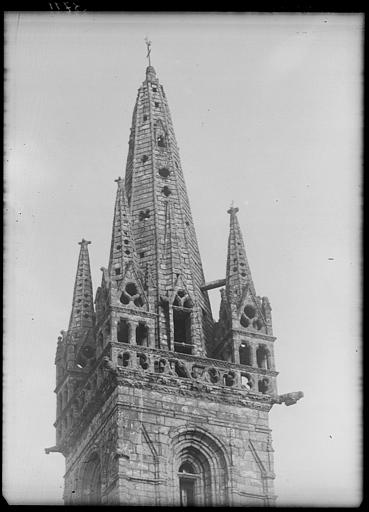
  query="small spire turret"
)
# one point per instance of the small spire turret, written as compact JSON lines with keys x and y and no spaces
{"x":83,"y":315}
{"x":122,"y":249}
{"x":238,"y":272}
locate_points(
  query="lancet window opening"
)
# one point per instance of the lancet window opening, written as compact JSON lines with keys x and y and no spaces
{"x":245,"y":354}
{"x":160,"y":134}
{"x":194,"y":479}
{"x":123,"y":331}
{"x":189,"y":484}
{"x":263,"y":358}
{"x":142,"y":335}
{"x":182,"y":320}
{"x":263,"y":385}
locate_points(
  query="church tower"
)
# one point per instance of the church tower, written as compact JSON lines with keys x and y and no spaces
{"x":156,"y":403}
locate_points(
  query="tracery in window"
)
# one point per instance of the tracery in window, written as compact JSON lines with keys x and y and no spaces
{"x":250,"y":318}
{"x":131,"y":296}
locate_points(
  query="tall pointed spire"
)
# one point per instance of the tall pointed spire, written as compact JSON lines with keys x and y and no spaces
{"x":82,"y":315}
{"x":238,"y":272}
{"x":122,"y":250}
{"x":162,"y":223}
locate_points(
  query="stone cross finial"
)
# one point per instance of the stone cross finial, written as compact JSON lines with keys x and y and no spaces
{"x":232,"y":209}
{"x":148,"y":44}
{"x":119,"y":180}
{"x":84,"y":242}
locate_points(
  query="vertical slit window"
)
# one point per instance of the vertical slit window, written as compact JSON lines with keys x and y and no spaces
{"x":123,"y":331}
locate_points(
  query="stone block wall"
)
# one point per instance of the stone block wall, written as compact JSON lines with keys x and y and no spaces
{"x":153,"y":425}
{"x":141,"y":436}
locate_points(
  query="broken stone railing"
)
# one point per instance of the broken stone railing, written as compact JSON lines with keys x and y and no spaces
{"x":195,"y":368}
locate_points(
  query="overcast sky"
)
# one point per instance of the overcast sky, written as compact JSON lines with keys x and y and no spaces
{"x":267,"y":111}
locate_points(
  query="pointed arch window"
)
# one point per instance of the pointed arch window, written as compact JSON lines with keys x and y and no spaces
{"x":263,"y":385}
{"x":189,"y":479}
{"x":123,"y":331}
{"x":263,"y":358}
{"x":201,"y":469}
{"x":182,"y":315}
{"x":142,"y":335}
{"x":245,"y":354}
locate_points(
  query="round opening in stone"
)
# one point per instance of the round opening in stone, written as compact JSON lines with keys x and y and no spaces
{"x":164,"y":172}
{"x":249,"y":311}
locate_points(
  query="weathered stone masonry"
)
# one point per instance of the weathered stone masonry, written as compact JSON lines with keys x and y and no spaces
{"x":156,"y":403}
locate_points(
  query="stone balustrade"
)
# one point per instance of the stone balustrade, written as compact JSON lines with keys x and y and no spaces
{"x":184,"y":366}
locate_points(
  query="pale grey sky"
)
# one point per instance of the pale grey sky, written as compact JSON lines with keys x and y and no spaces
{"x":267,"y":111}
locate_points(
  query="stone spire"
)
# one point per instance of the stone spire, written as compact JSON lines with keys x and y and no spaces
{"x":238,"y":273}
{"x":122,"y":250}
{"x":160,"y":209}
{"x":82,"y":316}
